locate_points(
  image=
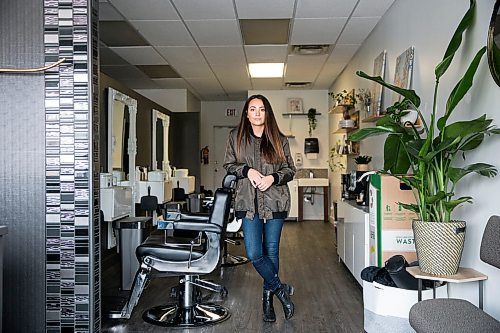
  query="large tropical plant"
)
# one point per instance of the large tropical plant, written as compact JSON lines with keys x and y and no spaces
{"x":429,"y":153}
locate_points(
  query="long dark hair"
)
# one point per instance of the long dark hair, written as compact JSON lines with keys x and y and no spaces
{"x":271,"y":147}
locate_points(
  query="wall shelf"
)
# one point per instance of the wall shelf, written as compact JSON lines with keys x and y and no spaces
{"x":372,"y":119}
{"x":341,"y":108}
{"x":297,"y":114}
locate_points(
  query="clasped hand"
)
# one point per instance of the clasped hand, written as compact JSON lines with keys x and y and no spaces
{"x":260,"y":181}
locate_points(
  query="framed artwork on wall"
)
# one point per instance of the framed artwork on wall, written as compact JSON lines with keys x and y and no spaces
{"x":377,"y":89}
{"x":403,"y":72}
{"x":295,"y":105}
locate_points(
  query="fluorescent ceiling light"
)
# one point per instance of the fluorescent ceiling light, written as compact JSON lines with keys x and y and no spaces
{"x":266,"y":69}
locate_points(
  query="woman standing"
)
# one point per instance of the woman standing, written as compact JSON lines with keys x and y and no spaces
{"x":259,"y":155}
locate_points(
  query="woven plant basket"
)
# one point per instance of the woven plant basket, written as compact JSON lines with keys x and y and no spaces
{"x":439,"y":246}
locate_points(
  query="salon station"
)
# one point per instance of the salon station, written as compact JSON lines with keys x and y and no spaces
{"x":117,"y":212}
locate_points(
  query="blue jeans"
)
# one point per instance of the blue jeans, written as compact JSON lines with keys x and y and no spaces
{"x":262,"y":245}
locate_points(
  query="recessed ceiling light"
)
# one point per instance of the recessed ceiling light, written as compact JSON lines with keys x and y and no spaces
{"x":259,"y":70}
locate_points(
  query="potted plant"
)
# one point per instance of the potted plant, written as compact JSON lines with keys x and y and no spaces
{"x":431,"y":154}
{"x":362,"y":162}
{"x":343,"y":98}
{"x":364,"y":96}
{"x":311,"y":117}
{"x":334,"y":161}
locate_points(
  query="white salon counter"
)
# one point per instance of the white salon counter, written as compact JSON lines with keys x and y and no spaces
{"x":353,"y":237}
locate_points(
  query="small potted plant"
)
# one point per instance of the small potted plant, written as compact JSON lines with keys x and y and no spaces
{"x":362,"y":162}
{"x":311,"y":117}
{"x":435,"y":156}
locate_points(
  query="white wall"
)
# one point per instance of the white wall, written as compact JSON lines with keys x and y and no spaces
{"x":428,"y":25}
{"x":214,"y":114}
{"x":175,"y":100}
{"x":298,"y":126}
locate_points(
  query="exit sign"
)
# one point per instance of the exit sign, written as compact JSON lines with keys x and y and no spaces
{"x":230,"y":112}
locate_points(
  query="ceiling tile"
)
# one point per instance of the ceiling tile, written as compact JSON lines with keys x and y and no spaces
{"x":125,"y":73}
{"x":205,"y":10}
{"x":189,"y":71}
{"x":357,"y":29}
{"x":264,"y":9}
{"x":182,"y":54}
{"x":224,"y":55}
{"x":324,"y":8}
{"x":119,"y":33}
{"x":342,"y":53}
{"x":108,"y":13}
{"x":368,"y":8}
{"x":108,"y":57}
{"x":174,"y":83}
{"x":258,"y":32}
{"x":271,"y":83}
{"x":158,"y":71}
{"x":140,"y":55}
{"x":303,"y":68}
{"x":231,"y":70}
{"x":207,"y":86}
{"x":328,"y":75}
{"x":266,"y":53}
{"x":316,"y":31}
{"x":146,"y":9}
{"x":215,"y":32}
{"x":164,"y":33}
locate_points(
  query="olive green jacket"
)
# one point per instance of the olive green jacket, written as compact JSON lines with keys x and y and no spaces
{"x":275,"y":201}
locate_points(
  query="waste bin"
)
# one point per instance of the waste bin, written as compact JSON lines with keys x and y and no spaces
{"x":194,"y":202}
{"x":132,"y":232}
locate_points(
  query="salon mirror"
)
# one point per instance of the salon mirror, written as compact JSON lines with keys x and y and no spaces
{"x":494,"y":44}
{"x":122,"y":141}
{"x":160,"y":129}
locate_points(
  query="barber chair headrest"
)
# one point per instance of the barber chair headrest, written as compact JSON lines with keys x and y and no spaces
{"x":229,"y":181}
{"x":149,"y":202}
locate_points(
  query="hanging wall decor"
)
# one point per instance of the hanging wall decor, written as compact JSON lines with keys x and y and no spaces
{"x":377,"y":89}
{"x":403,"y":72}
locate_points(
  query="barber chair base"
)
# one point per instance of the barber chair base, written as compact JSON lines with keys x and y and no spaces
{"x":174,"y":316}
{"x":230,"y":260}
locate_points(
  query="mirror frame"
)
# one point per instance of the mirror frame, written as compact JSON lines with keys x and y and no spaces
{"x":115,"y":95}
{"x":165,"y":119}
{"x":492,"y":64}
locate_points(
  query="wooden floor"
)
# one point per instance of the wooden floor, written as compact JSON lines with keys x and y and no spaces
{"x":327,"y":298}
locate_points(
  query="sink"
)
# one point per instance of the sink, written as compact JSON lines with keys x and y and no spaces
{"x":312,"y":181}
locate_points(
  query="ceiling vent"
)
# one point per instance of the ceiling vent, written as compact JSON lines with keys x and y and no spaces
{"x":310,"y":49}
{"x":298,"y":84}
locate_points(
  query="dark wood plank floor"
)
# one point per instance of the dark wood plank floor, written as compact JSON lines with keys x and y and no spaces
{"x":327,"y":298}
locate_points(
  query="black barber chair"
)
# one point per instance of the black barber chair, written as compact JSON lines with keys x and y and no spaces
{"x":188,"y":261}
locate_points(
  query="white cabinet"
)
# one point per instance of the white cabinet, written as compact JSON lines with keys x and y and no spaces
{"x":160,"y":189}
{"x":294,"y":198}
{"x":353,"y":238}
{"x":116,"y":202}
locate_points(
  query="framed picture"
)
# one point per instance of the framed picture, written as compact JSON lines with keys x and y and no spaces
{"x":403,"y":72}
{"x":377,"y":89}
{"x":295,"y":105}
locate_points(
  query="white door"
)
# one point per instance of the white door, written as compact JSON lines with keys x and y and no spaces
{"x":221,"y":133}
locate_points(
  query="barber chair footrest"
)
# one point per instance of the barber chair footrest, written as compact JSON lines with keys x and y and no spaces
{"x":230,"y":260}
{"x":171,"y":315}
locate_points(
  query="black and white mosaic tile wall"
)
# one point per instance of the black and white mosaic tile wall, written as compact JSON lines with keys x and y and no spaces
{"x":71,"y":143}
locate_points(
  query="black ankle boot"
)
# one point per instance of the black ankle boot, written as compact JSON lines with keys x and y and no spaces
{"x":267,"y":306}
{"x":284,"y":297}
{"x":289,"y":288}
